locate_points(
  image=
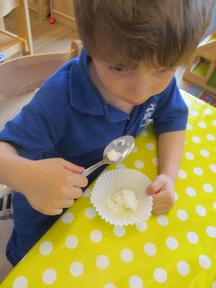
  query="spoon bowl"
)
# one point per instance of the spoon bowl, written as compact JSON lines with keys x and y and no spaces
{"x":114,"y":152}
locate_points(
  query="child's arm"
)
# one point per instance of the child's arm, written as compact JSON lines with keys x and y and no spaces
{"x":170,"y":150}
{"x":49,"y":185}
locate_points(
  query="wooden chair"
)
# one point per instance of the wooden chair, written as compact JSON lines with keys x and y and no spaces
{"x":20,"y":77}
{"x":11,"y":43}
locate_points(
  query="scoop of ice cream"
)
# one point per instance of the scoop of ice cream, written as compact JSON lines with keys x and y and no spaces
{"x":113,"y":155}
{"x":122,"y":199}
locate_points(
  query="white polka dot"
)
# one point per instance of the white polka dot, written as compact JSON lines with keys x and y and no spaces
{"x":182,"y":215}
{"x":189,"y":155}
{"x":90,"y":213}
{"x":144,"y":132}
{"x":191,"y":192}
{"x":162,"y":220}
{"x":210,"y":137}
{"x":214,"y":205}
{"x":211,"y":231}
{"x":208,"y":188}
{"x":96,"y":236}
{"x":76,"y":269}
{"x":127,"y":255}
{"x":182,"y":174}
{"x":213,"y":167}
{"x":214,"y":122}
{"x":67,"y":218}
{"x":200,"y":210}
{"x":183,"y":268}
{"x":71,"y":242}
{"x":196,"y":139}
{"x":139,"y":164}
{"x":202,"y":125}
{"x":192,"y":237}
{"x":213,"y":285}
{"x":119,"y":231}
{"x":49,"y":276}
{"x":176,"y":196}
{"x":208,"y":111}
{"x":109,"y":285}
{"x":204,"y":261}
{"x":102,"y":262}
{"x":87,"y":193}
{"x":155,"y":161}
{"x":20,"y":282}
{"x":150,"y":249}
{"x":171,"y":243}
{"x":45,"y":248}
{"x":160,"y":275}
{"x":142,"y":226}
{"x":149,"y":146}
{"x":198,"y":171}
{"x":135,"y":282}
{"x":204,"y":153}
{"x":194,"y":113}
{"x":189,"y":127}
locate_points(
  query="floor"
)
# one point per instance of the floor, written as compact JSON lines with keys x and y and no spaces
{"x":46,"y":38}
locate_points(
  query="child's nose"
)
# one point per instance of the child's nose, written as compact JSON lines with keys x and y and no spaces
{"x":141,"y":89}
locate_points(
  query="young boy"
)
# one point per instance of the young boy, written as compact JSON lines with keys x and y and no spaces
{"x":124,"y":77}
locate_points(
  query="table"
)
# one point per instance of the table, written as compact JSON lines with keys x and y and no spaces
{"x":173,"y":250}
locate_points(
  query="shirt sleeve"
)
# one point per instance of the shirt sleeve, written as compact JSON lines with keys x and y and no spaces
{"x":33,"y":131}
{"x":171,"y":112}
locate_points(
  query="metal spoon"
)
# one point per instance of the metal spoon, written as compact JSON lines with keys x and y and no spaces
{"x":114,"y":152}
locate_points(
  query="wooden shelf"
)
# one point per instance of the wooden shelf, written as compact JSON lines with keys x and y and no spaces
{"x":201,"y":69}
{"x":63,"y":12}
{"x":10,"y":43}
{"x":41,"y":7}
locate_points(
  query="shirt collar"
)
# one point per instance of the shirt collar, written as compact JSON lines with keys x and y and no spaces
{"x":85,"y":97}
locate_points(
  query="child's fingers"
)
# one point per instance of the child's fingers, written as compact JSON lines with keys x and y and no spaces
{"x":73,"y":192}
{"x":68,"y":203}
{"x":155,"y":186}
{"x":163,"y":201}
{"x":79,"y":180}
{"x":164,"y":196}
{"x":56,"y":211}
{"x":72,"y":167}
{"x":160,"y":210}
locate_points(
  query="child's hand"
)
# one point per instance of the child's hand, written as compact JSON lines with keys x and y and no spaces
{"x":53,"y":184}
{"x":162,"y":191}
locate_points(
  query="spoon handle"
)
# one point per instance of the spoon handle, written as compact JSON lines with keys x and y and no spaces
{"x":92,"y":168}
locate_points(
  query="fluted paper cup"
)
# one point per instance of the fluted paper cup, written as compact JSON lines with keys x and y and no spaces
{"x":117,"y":180}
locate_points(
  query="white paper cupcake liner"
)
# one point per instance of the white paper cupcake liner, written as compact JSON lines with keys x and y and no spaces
{"x":116,"y":180}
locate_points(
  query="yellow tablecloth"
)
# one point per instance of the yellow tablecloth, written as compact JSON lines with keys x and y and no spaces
{"x":173,"y":250}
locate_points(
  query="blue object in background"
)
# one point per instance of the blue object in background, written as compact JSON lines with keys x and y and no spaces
{"x":2,"y":57}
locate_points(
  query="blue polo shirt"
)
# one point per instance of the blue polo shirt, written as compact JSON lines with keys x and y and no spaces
{"x":68,"y":118}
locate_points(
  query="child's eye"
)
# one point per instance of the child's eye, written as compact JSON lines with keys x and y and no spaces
{"x":118,"y":69}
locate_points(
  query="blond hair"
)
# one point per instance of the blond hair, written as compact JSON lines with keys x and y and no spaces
{"x":125,"y":32}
